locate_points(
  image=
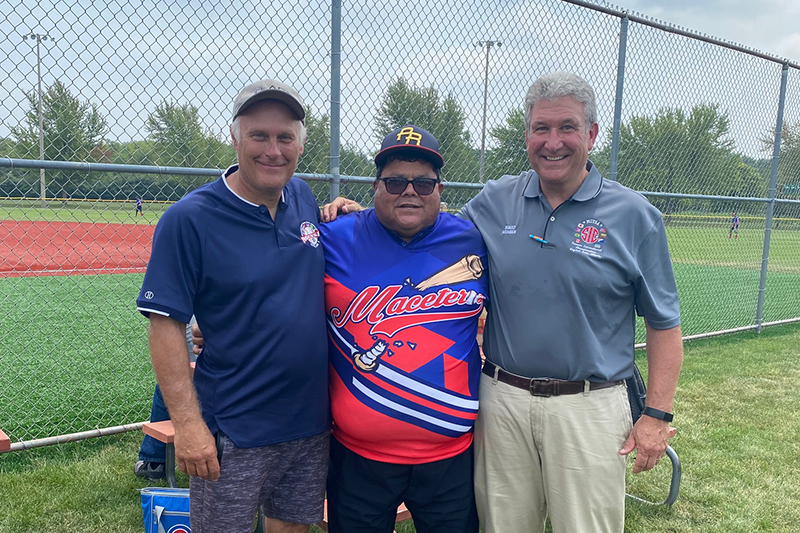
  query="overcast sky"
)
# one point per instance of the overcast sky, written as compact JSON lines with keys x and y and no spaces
{"x":771,"y":26}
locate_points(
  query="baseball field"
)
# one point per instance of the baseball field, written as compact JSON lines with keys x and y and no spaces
{"x":75,"y":357}
{"x":69,"y":278}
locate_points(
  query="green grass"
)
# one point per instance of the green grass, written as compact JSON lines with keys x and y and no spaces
{"x":79,"y":487}
{"x":738,"y":439}
{"x":78,"y":337}
{"x":710,"y":246}
{"x":718,"y":278}
{"x":76,"y":357}
{"x":110,"y":212}
{"x":716,"y":298}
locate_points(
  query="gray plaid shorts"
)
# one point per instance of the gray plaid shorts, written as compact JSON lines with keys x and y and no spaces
{"x":287,"y":478}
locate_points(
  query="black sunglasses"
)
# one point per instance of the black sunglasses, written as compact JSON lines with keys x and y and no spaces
{"x":423,"y":186}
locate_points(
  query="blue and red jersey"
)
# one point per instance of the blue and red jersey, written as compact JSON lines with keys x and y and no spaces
{"x":402,"y":325}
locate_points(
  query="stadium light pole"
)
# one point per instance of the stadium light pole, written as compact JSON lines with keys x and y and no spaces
{"x":488,"y":45}
{"x":38,"y":37}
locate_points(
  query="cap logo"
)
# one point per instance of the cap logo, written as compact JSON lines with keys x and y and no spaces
{"x":412,"y":137}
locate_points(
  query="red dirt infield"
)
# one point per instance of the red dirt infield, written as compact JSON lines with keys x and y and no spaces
{"x":72,"y":248}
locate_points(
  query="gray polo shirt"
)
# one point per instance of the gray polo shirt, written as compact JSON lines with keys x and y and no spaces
{"x":565,"y":308}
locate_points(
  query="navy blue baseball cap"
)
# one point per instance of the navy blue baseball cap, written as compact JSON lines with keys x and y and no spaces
{"x":410,"y":139}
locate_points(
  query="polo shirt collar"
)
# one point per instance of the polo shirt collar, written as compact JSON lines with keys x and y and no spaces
{"x":589,"y":189}
{"x":233,"y":168}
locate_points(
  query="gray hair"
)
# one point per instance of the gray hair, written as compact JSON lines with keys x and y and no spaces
{"x":557,"y":85}
{"x":236,"y":129}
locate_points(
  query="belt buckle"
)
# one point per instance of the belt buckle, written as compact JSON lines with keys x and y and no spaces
{"x":534,"y":389}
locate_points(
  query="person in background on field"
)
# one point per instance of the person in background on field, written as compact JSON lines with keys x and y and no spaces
{"x":242,"y":254}
{"x":734,"y":227}
{"x":138,"y":207}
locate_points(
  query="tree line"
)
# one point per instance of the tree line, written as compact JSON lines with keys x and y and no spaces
{"x":673,"y":151}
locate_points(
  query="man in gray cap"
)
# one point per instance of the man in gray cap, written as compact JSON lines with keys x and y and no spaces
{"x":243,"y":254}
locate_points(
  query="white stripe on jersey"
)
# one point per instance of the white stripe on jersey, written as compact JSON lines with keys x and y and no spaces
{"x":420,"y":388}
{"x":426,"y":390}
{"x":408,"y":411}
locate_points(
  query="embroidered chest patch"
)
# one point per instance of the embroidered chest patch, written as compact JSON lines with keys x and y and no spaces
{"x":589,"y":237}
{"x":309,"y":234}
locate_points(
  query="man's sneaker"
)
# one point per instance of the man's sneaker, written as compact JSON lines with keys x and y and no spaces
{"x":149,"y":470}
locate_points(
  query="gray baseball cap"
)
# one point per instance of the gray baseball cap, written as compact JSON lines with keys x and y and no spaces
{"x":269,"y":90}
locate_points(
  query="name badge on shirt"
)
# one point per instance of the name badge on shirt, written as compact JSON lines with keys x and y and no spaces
{"x":509,"y":230}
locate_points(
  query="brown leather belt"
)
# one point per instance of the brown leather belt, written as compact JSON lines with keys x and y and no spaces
{"x":544,"y":386}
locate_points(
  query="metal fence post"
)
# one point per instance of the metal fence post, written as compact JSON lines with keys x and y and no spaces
{"x":773,"y":185}
{"x":336,"y":93}
{"x":623,"y":45}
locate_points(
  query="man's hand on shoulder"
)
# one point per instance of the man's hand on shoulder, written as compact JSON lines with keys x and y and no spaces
{"x":649,"y":438}
{"x":339,"y":206}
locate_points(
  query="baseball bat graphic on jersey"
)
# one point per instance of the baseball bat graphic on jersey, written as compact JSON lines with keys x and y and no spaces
{"x":467,"y":268}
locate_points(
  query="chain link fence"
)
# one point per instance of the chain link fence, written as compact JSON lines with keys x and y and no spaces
{"x":103,"y":103}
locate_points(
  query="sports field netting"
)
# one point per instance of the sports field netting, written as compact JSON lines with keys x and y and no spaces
{"x":135,"y":103}
{"x":79,"y":348}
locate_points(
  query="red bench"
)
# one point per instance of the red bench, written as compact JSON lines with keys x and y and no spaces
{"x":165,"y":432}
{"x":5,"y":442}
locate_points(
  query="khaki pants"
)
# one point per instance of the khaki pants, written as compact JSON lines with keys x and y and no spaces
{"x":536,"y":456}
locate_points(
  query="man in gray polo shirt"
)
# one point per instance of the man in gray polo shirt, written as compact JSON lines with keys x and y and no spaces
{"x":571,"y":256}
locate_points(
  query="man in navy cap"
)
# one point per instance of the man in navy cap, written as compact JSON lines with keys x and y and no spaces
{"x":243,"y":255}
{"x":404,"y":287}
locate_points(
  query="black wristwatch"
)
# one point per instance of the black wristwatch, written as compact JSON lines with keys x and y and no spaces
{"x":657,"y":413}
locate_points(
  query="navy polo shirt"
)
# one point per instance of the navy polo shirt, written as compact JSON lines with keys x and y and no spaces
{"x":565,"y":309}
{"x":256,"y":288}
